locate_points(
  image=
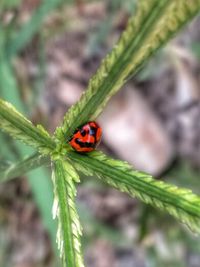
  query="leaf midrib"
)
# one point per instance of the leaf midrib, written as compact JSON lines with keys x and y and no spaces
{"x":141,"y":186}
{"x":66,"y":216}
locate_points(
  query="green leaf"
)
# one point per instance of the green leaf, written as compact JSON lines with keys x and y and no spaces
{"x":14,"y":170}
{"x":8,"y":84}
{"x":69,"y":229}
{"x":154,"y":23}
{"x":8,"y":148}
{"x":15,"y":124}
{"x":180,"y":203}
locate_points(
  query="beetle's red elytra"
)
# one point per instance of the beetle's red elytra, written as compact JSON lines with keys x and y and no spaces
{"x":87,"y":137}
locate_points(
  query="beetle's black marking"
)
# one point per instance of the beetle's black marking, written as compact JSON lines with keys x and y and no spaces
{"x":93,"y":131}
{"x":83,"y":132}
{"x":84,"y":144}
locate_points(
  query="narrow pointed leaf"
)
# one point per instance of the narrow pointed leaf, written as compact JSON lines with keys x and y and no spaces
{"x":69,"y":229}
{"x":15,"y":124}
{"x":12,"y":170}
{"x":180,"y":203}
{"x":154,"y":23}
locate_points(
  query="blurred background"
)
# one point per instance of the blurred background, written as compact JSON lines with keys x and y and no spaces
{"x":48,"y":52}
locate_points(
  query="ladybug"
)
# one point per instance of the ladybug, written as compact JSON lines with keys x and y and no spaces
{"x":86,"y":137}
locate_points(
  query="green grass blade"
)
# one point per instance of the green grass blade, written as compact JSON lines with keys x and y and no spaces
{"x":8,"y":84}
{"x":15,"y":124}
{"x":8,"y":150}
{"x":69,"y":229}
{"x":154,"y":23}
{"x":27,"y":31}
{"x":180,"y":203}
{"x":14,"y":170}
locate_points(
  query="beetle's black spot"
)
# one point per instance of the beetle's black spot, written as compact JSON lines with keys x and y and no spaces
{"x":83,"y":132}
{"x":88,"y":144}
{"x":84,"y":144}
{"x":78,"y":142}
{"x":93,"y":131}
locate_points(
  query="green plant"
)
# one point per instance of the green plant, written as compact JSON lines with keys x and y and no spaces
{"x":153,"y":24}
